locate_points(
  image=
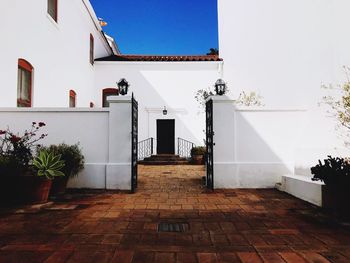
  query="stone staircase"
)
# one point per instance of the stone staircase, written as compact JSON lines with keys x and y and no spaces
{"x":164,"y":159}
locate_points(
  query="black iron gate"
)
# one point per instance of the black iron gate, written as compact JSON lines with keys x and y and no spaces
{"x":134,"y":142}
{"x":210,"y":145}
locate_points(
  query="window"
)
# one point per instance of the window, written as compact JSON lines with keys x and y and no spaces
{"x":52,"y":9}
{"x":24,"y":84}
{"x":72,"y":99}
{"x":106,"y":93}
{"x":92,"y":49}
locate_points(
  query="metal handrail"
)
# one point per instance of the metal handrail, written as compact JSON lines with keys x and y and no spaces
{"x":145,"y":148}
{"x":184,"y":147}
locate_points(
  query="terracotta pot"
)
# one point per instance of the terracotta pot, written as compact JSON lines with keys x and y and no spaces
{"x":336,"y":200}
{"x":24,"y":189}
{"x":198,"y":159}
{"x":59,"y":185}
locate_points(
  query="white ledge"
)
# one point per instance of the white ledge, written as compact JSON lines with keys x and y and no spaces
{"x":54,"y":109}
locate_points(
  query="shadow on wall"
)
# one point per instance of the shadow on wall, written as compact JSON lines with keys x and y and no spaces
{"x":158,"y":91}
{"x":254,"y":148}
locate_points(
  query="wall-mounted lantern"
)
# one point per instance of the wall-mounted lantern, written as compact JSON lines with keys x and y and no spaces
{"x":123,"y":87}
{"x":220,"y":87}
{"x":165,"y":111}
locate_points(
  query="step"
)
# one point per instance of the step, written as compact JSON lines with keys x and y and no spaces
{"x":164,"y":162}
{"x":302,"y":187}
{"x":165,"y":156}
{"x":164,"y":159}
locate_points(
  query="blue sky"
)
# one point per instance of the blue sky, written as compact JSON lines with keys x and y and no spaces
{"x":161,"y":27}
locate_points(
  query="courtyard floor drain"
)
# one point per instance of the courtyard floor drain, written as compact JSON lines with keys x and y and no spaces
{"x":173,"y":227}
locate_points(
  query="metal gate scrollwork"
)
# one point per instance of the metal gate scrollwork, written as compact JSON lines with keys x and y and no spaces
{"x":210,"y":145}
{"x":134,"y":142}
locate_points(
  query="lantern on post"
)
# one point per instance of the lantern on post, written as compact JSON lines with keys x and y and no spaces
{"x":123,"y":86}
{"x":220,"y":87}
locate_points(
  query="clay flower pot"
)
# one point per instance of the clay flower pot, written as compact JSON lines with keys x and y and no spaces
{"x":36,"y":190}
{"x":59,"y":185}
{"x":25,"y":190}
{"x":198,"y":159}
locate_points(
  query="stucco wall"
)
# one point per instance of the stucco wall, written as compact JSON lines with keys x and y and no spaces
{"x":286,"y":50}
{"x":59,"y":52}
{"x":105,"y":143}
{"x":88,"y":128}
{"x":159,"y":84}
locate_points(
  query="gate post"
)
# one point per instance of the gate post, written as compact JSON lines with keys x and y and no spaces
{"x":224,"y":141}
{"x":118,"y":173}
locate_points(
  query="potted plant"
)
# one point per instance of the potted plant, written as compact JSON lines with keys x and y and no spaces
{"x":74,"y":164}
{"x":335,"y":173}
{"x":197,"y":155}
{"x":21,"y":180}
{"x":48,"y":166}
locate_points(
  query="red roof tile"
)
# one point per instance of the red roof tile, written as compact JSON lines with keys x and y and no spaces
{"x":160,"y":58}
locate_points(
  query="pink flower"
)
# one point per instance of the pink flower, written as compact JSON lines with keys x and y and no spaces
{"x":15,"y":139}
{"x":33,"y":123}
{"x":2,"y":132}
{"x":41,"y":124}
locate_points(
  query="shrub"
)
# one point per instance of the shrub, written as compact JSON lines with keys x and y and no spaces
{"x":334,"y":172}
{"x":199,"y":150}
{"x":72,"y":157}
{"x":9,"y":166}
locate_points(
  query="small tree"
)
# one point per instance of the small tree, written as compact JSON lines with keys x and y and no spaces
{"x":213,"y":51}
{"x":249,"y":99}
{"x":339,"y":102}
{"x":202,"y":95}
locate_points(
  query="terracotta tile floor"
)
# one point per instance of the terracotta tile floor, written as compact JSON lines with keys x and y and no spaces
{"x":225,"y":226}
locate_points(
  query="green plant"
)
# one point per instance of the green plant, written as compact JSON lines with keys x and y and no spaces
{"x":198,"y":150}
{"x":213,"y":51}
{"x":202,"y":95}
{"x":48,"y":165}
{"x":72,"y":157}
{"x":334,"y":172}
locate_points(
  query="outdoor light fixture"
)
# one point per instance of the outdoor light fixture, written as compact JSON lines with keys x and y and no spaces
{"x":165,"y":111}
{"x":220,"y":87}
{"x":123,"y":86}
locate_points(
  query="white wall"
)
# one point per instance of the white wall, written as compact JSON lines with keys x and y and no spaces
{"x":105,"y":143}
{"x":159,"y":84}
{"x":286,"y":50}
{"x":59,"y":52}
{"x":254,"y":147}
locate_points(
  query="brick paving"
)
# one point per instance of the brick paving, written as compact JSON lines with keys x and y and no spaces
{"x":259,"y":225}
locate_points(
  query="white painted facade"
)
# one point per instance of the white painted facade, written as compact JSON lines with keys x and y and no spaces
{"x":254,"y":147}
{"x":105,"y":144}
{"x":163,"y":84}
{"x":59,"y":52}
{"x":286,"y":50}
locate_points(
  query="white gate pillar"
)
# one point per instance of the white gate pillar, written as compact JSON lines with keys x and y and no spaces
{"x":224,"y":142}
{"x":118,"y":173}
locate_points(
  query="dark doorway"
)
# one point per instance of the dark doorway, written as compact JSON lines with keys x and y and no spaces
{"x":165,"y":136}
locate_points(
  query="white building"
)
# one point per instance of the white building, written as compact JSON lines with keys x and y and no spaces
{"x":56,"y":55}
{"x":54,"y":46}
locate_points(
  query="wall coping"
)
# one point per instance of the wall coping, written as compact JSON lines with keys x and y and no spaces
{"x":54,"y":110}
{"x":228,"y":100}
{"x":119,"y":99}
